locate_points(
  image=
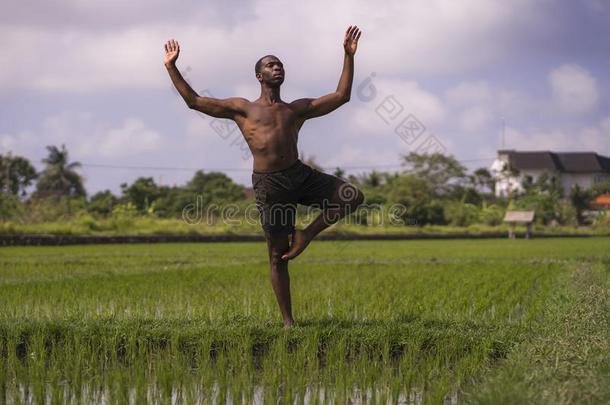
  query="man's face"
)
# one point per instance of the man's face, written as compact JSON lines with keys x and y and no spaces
{"x":271,"y":72}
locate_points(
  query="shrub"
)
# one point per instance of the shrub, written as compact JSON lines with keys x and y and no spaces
{"x":11,"y":208}
{"x":461,"y":214}
{"x":491,"y":215}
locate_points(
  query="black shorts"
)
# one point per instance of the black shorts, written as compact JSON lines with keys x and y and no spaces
{"x":278,"y":193}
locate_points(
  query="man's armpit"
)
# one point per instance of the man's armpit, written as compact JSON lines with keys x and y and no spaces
{"x":301,"y":106}
{"x":239,"y":105}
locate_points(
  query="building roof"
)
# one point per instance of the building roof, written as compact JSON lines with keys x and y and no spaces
{"x":601,"y":201}
{"x":567,"y":162}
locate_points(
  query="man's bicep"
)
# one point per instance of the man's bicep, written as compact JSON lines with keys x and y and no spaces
{"x":315,"y":107}
{"x":302,"y":106}
{"x":220,"y":108}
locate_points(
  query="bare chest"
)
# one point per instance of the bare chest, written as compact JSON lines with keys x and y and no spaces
{"x":270,"y":117}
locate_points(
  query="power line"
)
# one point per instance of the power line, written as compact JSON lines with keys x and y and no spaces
{"x":241,"y":169}
{"x":190,"y":169}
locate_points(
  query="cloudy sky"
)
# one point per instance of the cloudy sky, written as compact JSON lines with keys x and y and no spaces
{"x":439,"y":74}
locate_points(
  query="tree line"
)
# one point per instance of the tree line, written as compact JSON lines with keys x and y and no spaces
{"x":434,"y":189}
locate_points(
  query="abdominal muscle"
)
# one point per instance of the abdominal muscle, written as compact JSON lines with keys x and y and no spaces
{"x":273,"y":151}
{"x":272,"y":134}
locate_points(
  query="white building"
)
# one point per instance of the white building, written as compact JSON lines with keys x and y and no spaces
{"x":511,"y":167}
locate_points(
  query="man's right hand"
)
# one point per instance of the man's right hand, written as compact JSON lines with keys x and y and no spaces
{"x":172,"y":50}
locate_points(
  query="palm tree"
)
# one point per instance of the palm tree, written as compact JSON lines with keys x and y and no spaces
{"x":59,"y":177}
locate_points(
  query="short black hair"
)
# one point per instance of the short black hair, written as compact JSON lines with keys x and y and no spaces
{"x":259,"y":63}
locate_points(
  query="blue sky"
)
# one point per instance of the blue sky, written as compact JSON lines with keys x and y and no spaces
{"x":90,"y":75}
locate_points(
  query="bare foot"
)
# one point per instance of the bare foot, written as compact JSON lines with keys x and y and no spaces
{"x":300,"y":240}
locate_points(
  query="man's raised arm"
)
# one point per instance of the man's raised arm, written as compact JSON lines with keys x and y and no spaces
{"x":315,"y":107}
{"x":225,"y":108}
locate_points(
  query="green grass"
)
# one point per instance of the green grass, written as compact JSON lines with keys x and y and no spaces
{"x":150,"y":225}
{"x":488,"y":321}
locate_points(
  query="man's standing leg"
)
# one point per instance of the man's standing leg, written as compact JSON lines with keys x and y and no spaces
{"x":277,"y":214}
{"x":277,"y":244}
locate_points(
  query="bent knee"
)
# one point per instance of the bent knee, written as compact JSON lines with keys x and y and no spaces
{"x":350,"y":195}
{"x":357,"y":200}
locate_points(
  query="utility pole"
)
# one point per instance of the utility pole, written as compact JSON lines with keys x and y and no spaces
{"x":503,"y":133}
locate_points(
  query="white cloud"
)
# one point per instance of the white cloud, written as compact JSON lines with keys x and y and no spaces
{"x":475,"y":119}
{"x":17,"y":143}
{"x":131,"y":138}
{"x":451,"y":64}
{"x":360,"y":155}
{"x":443,"y":36}
{"x":90,"y":139}
{"x":593,"y":138}
{"x":88,"y":47}
{"x":574,"y":89}
{"x":476,"y":105}
{"x":468,"y":93}
{"x":395,"y":100}
{"x":250,"y":91}
{"x":112,"y":14}
{"x":217,"y":142}
{"x":81,"y":61}
{"x":605,"y":126}
{"x":85,"y":137}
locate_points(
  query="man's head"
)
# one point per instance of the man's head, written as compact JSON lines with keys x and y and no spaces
{"x":269,"y":70}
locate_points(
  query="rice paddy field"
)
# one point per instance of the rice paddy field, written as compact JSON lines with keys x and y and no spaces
{"x":434,"y":321}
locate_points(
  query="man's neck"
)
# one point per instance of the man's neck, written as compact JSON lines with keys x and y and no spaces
{"x":270,"y":95}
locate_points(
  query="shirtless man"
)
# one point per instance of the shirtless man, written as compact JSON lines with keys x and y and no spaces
{"x":280,"y":179}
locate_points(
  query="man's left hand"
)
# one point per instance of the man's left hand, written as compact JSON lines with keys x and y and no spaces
{"x":350,"y":43}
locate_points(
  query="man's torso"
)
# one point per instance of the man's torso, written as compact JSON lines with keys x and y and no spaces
{"x":271,"y":132}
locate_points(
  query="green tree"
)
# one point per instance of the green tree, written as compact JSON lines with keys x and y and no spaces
{"x":543,"y":195}
{"x":550,"y":182}
{"x":373,"y":179}
{"x":580,"y":199}
{"x":172,"y":201}
{"x":16,"y":173}
{"x":415,"y":194}
{"x":11,"y":207}
{"x":59,"y":178}
{"x":215,"y":187}
{"x":467,"y":195}
{"x":339,"y":172}
{"x":311,"y":161}
{"x":141,"y":193}
{"x":482,"y":180}
{"x":461,"y":214}
{"x":102,"y":203}
{"x":601,"y":188}
{"x":204,"y":189}
{"x":441,"y":172}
